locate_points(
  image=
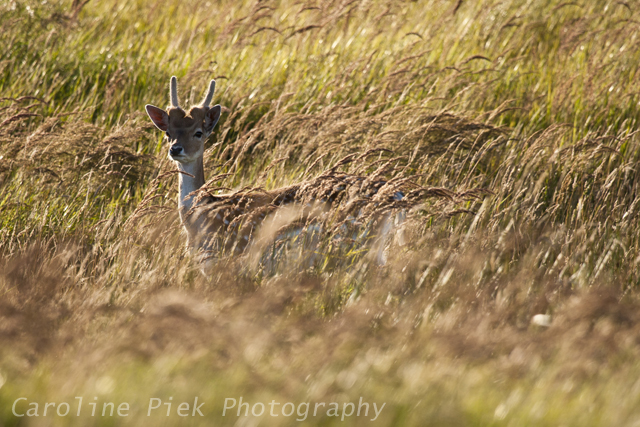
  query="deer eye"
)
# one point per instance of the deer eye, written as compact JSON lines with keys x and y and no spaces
{"x":198,"y":134}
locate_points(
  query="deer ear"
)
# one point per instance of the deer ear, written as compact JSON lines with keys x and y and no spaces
{"x":211,"y":118}
{"x":158,"y":116}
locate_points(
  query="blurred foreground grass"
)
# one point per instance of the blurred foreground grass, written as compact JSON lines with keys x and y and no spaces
{"x":533,"y":102}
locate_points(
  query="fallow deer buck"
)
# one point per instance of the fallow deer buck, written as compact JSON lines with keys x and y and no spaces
{"x":227,"y":222}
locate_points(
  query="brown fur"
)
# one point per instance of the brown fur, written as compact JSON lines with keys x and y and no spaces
{"x":332,"y":200}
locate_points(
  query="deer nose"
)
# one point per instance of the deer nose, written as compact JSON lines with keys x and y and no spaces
{"x":175,"y":150}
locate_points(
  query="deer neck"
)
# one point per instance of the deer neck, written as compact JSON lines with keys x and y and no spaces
{"x":189,"y":184}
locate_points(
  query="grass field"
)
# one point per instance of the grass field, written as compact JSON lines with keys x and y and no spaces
{"x":525,"y":113}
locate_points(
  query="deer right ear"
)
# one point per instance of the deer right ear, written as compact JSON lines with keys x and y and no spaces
{"x":211,"y":118}
{"x":158,"y":116}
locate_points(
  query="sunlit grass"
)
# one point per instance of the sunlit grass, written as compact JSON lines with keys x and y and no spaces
{"x":524,"y":113}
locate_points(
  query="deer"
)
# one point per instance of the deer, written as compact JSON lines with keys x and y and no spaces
{"x":228,"y":221}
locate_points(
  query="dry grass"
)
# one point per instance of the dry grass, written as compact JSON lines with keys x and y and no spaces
{"x":510,"y":127}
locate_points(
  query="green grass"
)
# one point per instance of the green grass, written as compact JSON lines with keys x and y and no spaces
{"x":528,"y":111}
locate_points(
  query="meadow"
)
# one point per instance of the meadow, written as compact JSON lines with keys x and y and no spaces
{"x":516,"y":121}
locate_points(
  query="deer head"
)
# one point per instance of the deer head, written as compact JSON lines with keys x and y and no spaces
{"x":185,"y":131}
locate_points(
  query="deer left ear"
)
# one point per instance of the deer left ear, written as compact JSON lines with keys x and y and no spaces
{"x":211,"y":118}
{"x":158,"y":116}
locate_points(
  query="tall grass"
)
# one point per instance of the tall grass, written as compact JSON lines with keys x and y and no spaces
{"x":524,"y":113}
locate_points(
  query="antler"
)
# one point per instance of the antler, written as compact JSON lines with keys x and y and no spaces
{"x":209,"y":96}
{"x":173,"y":91}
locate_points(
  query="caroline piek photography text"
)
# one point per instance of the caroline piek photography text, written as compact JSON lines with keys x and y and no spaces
{"x":168,"y":407}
